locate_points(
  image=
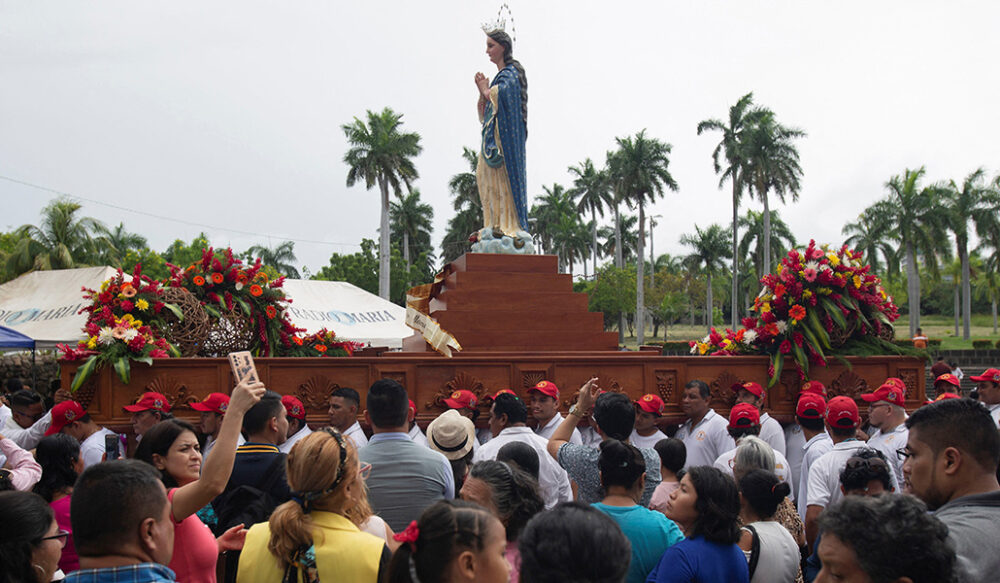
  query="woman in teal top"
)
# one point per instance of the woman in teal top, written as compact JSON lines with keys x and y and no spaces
{"x":623,"y":471}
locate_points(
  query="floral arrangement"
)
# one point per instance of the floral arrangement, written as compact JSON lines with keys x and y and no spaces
{"x":323,"y":343}
{"x":223,"y":283}
{"x":819,"y":301}
{"x":123,"y":323}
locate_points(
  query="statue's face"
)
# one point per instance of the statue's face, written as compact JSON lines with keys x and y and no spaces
{"x":494,"y":51}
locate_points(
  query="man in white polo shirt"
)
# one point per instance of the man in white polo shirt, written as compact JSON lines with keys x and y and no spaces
{"x":770,"y":429}
{"x":645,"y":434}
{"x":842,"y":420}
{"x":344,"y":403}
{"x":415,"y":433}
{"x":70,"y":418}
{"x":744,"y":420}
{"x":705,"y":433}
{"x":297,"y":426}
{"x":212,"y":410}
{"x":809,"y":417}
{"x":795,"y":440}
{"x":543,"y":403}
{"x":988,"y":386}
{"x":887,"y":415}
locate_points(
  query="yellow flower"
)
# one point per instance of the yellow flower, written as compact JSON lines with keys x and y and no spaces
{"x":857,"y":281}
{"x":765,"y":307}
{"x":807,"y":294}
{"x":92,"y":342}
{"x":882,"y":291}
{"x":824,"y":291}
{"x":136,"y":323}
{"x":726,"y":343}
{"x":702,"y":348}
{"x":142,"y":304}
{"x":126,"y":318}
{"x":833,"y":259}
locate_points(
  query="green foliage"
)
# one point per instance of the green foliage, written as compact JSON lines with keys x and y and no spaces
{"x":613,"y":292}
{"x":362,"y":269}
{"x":153,"y":264}
{"x":981,"y":344}
{"x":182,"y":254}
{"x":468,"y":210}
{"x":279,"y":259}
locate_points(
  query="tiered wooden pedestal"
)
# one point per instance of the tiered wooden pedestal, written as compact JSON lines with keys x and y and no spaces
{"x":521,"y":303}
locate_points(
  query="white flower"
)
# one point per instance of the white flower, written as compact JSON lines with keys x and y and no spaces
{"x":825,"y":267}
{"x":705,"y":339}
{"x":782,"y":326}
{"x":130,"y":334}
{"x":239,"y":285}
{"x":106,"y":336}
{"x":694,"y":349}
{"x":749,"y":336}
{"x":812,"y":265}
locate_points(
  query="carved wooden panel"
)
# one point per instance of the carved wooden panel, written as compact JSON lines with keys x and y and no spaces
{"x":399,"y":377}
{"x":462,"y":381}
{"x":530,"y":378}
{"x":909,"y":378}
{"x":315,"y":392}
{"x":847,"y":383}
{"x":666,"y":384}
{"x":176,"y":391}
{"x":722,"y":388}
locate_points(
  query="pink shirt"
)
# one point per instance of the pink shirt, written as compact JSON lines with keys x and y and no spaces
{"x":513,"y":556}
{"x":195,"y":549}
{"x":24,"y":470}
{"x":660,"y":495}
{"x":69,"y":561}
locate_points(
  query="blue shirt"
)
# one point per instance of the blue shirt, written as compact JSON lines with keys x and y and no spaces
{"x":696,"y":560}
{"x":137,"y":573}
{"x":650,"y":532}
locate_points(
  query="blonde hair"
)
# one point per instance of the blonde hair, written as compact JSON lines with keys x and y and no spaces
{"x":312,"y":467}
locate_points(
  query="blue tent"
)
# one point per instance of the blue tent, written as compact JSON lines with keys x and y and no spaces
{"x":14,"y":339}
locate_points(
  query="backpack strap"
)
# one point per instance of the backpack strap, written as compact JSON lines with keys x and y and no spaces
{"x":754,"y":549}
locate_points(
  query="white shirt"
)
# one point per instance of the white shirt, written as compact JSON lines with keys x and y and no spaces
{"x":772,"y":433}
{"x":794,"y":441}
{"x":812,"y":450}
{"x":357,"y":435}
{"x":591,"y":438}
{"x":482,"y":436}
{"x":417,"y":436}
{"x":646,"y":442}
{"x":888,"y":443}
{"x":92,"y":448}
{"x":824,"y":475}
{"x":995,"y":413}
{"x":210,"y":443}
{"x":294,"y":438}
{"x":552,"y":479}
{"x":24,"y":438}
{"x":725,"y":463}
{"x":549,"y":428}
{"x":706,"y":441}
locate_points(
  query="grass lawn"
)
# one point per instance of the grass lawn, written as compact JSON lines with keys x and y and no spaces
{"x":942,"y":327}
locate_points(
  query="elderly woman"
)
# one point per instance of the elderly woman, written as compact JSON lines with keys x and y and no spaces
{"x":509,"y":494}
{"x":503,"y":112}
{"x":31,"y":542}
{"x":754,"y":453}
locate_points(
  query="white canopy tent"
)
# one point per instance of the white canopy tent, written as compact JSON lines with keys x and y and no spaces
{"x":351,"y":312}
{"x":44,"y":305}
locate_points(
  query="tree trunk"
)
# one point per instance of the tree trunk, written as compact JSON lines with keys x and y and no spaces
{"x":767,"y":234}
{"x":383,"y":245}
{"x":640,"y":280}
{"x":957,"y":309}
{"x":618,"y":263}
{"x":593,"y":237}
{"x":912,"y":288}
{"x":994,"y":317}
{"x":963,"y":254}
{"x":736,"y":271}
{"x":708,"y":305}
{"x":406,"y":249}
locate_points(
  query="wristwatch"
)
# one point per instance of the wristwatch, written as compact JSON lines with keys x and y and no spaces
{"x":575,"y":410}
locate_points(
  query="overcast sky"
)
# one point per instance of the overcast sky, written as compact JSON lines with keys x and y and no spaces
{"x":227,"y":114}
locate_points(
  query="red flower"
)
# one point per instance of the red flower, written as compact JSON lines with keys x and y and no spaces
{"x":779,"y":290}
{"x":218,"y":278}
{"x":785,"y":347}
{"x":199,"y":280}
{"x":320,"y":347}
{"x":137,"y":343}
{"x":127,"y":305}
{"x":797,"y":312}
{"x":256,"y":290}
{"x":158,"y":353}
{"x":271,"y":312}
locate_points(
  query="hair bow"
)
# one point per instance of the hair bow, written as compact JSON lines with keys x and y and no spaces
{"x":409,"y":536}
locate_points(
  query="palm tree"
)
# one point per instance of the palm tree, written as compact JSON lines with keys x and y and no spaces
{"x":549,"y":212}
{"x":609,"y":237}
{"x":116,"y":243}
{"x":872,"y":235}
{"x":280,"y":257}
{"x":772,"y":166}
{"x":411,"y":218}
{"x":593,"y":192}
{"x":468,"y":208}
{"x":976,"y":202}
{"x":61,"y":241}
{"x":918,"y":224}
{"x":710,"y":248}
{"x":753,"y":239}
{"x":667,"y":263}
{"x":381,"y":154}
{"x":570,"y":240}
{"x":641,"y":175}
{"x":743,"y":117}
{"x":989,"y":284}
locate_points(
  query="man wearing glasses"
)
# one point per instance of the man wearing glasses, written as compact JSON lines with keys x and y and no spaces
{"x":887,"y":415}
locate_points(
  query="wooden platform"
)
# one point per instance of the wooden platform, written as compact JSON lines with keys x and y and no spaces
{"x":508,"y":303}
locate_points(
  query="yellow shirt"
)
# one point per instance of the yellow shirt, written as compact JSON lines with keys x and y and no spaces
{"x":343,"y":553}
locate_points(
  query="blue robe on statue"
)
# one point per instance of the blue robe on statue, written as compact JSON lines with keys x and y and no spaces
{"x":508,"y":124}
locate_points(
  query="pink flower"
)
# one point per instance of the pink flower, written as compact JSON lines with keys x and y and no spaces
{"x":158,"y":353}
{"x":809,"y":274}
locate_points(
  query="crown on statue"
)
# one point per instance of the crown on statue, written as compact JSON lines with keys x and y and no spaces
{"x":504,"y":22}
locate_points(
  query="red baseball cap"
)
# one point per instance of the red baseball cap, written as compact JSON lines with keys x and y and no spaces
{"x":63,"y":414}
{"x":651,"y":404}
{"x":547,"y":388}
{"x":214,"y":402}
{"x":945,"y":396}
{"x":814,"y":387}
{"x":504,"y":392}
{"x":842,"y":412}
{"x":461,"y":400}
{"x":810,"y":406}
{"x":948,"y":378}
{"x":753,"y":388}
{"x":743,"y":415}
{"x":889,"y":392}
{"x":293,"y":407}
{"x":990,"y":374}
{"x":150,"y":401}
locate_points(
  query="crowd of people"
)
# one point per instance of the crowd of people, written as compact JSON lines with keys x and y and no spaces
{"x":252,"y":494}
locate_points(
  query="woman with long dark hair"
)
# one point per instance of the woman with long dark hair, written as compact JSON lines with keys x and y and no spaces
{"x":59,"y":456}
{"x":30,"y":540}
{"x":171,"y":446}
{"x":706,"y":506}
